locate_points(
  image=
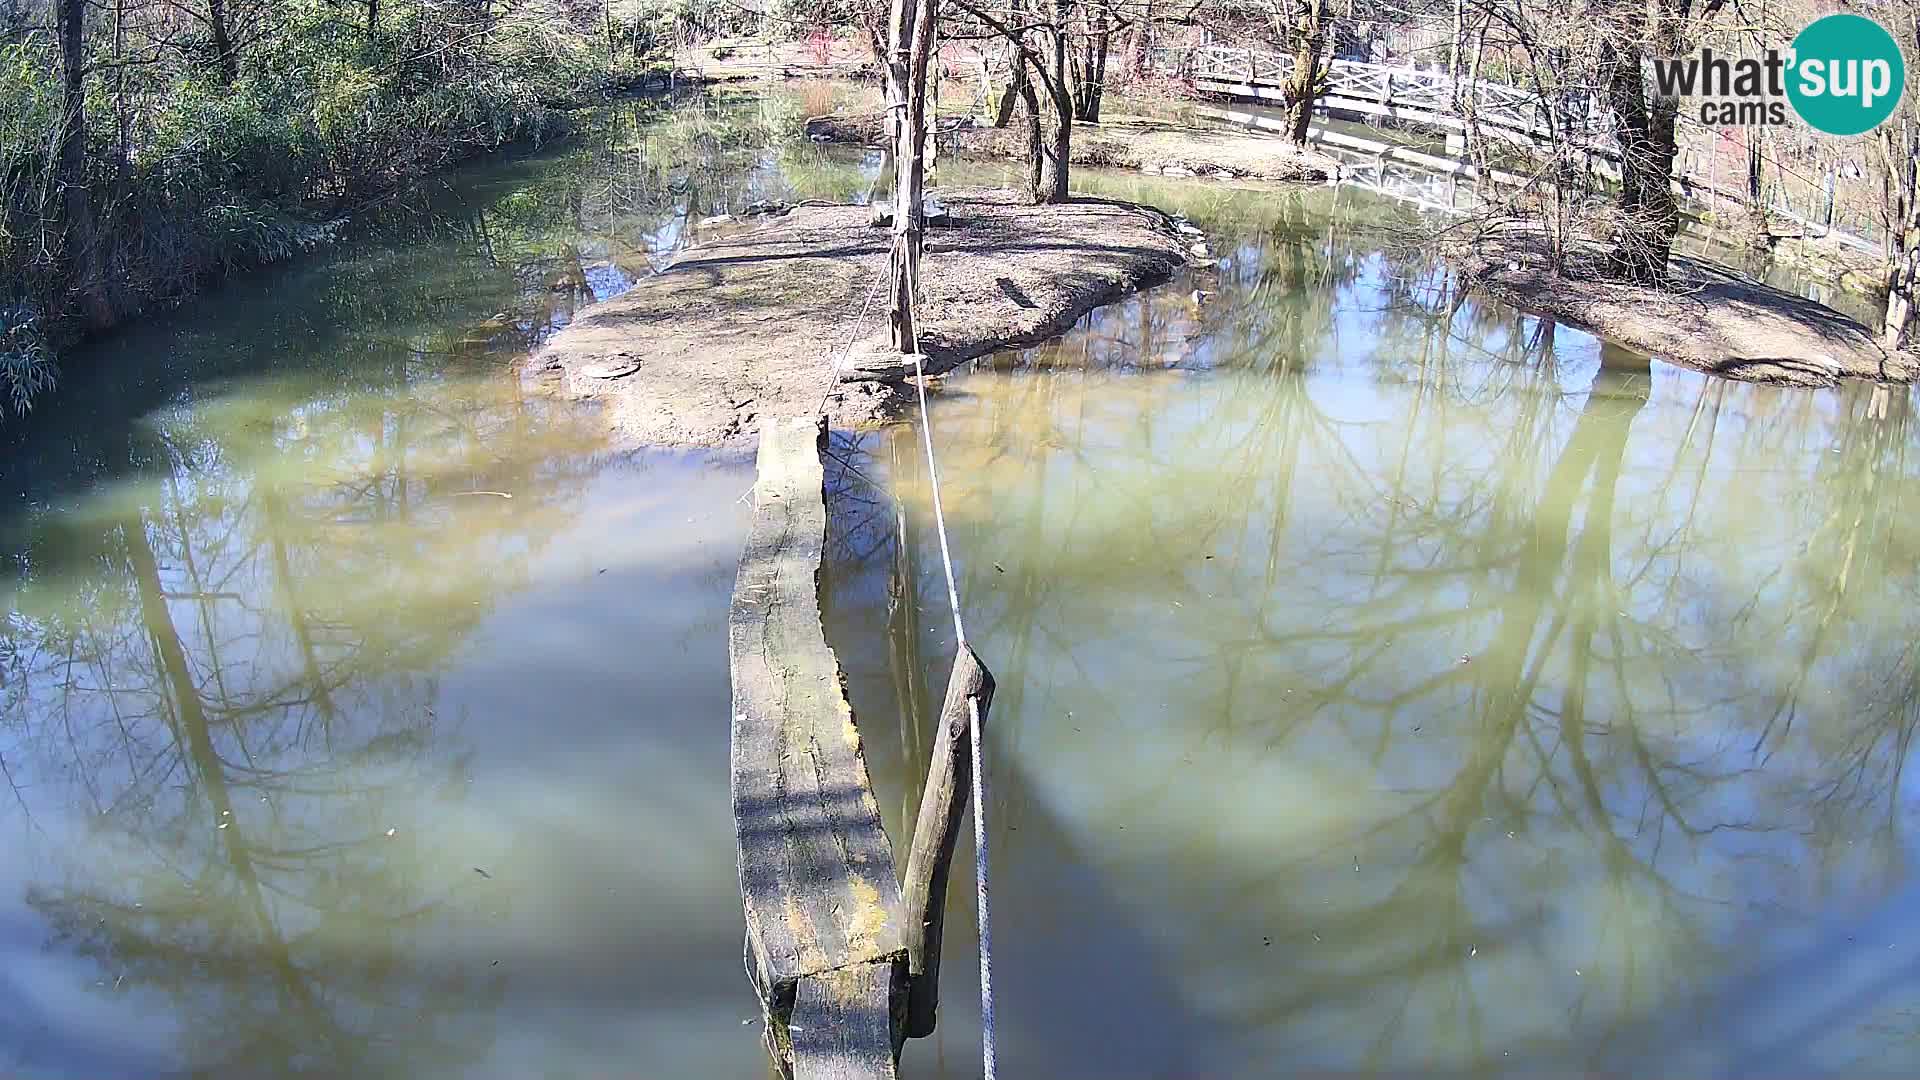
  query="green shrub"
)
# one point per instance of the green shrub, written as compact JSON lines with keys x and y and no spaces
{"x":198,"y":177}
{"x":26,"y":364}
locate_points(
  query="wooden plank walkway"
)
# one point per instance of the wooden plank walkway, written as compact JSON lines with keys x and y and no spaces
{"x":826,"y":946}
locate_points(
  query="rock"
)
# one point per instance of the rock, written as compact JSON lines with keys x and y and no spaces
{"x":934,"y":215}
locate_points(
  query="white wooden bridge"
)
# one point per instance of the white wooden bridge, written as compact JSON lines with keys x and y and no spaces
{"x":1430,"y":98}
{"x":1572,"y":128}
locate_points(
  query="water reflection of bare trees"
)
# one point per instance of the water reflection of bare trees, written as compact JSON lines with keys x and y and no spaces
{"x":234,"y":585}
{"x":221,"y":713}
{"x":1579,"y":670}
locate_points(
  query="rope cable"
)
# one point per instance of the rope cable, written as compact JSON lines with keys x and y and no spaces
{"x":983,"y":918}
{"x":989,"y":1062}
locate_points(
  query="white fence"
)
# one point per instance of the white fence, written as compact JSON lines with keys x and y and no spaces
{"x":1572,"y":124}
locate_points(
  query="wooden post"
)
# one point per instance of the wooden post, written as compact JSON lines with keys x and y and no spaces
{"x":911,"y":42}
{"x":937,"y":831}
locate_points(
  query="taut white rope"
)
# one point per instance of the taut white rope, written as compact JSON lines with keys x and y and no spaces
{"x":979,"y":762}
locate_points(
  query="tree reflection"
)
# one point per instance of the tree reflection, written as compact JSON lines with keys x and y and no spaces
{"x":230,"y":681}
{"x":239,"y":575}
{"x":1506,"y":684}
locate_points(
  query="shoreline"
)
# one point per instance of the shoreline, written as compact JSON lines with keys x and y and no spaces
{"x":1709,"y":318}
{"x":326,"y":232}
{"x":1135,"y":143}
{"x":784,"y":317}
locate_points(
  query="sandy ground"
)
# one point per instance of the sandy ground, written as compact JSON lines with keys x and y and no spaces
{"x":788,"y":316}
{"x":1712,"y":319}
{"x":1119,"y":142}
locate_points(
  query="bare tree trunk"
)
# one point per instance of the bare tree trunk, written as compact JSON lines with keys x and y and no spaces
{"x":1459,"y":40}
{"x":1093,"y":69}
{"x":1031,"y":100}
{"x":1058,"y":149}
{"x":1048,"y":156}
{"x":224,"y":59}
{"x":1903,"y":295}
{"x":1102,"y":57}
{"x":1900,"y":154}
{"x":79,"y":232}
{"x":1310,"y":38}
{"x":1649,"y":214}
{"x":122,"y":118}
{"x":1003,"y":114}
{"x":1903,"y":284}
{"x":910,"y":46}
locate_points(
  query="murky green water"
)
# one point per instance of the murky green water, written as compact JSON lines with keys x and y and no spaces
{"x":361,"y":712}
{"x":1388,"y":681}
{"x":1391,"y":681}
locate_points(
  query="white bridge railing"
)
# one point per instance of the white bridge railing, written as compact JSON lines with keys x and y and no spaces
{"x":1573,"y":124}
{"x":1404,"y":92}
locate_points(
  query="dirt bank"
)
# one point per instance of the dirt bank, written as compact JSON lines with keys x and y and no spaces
{"x":1120,"y":142}
{"x":754,"y":324}
{"x":1711,"y":319}
{"x":732,"y":60}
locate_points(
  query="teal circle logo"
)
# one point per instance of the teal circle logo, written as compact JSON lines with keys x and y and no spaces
{"x":1846,"y":74}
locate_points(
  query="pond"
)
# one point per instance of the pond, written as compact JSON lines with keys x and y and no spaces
{"x":1389,"y":681}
